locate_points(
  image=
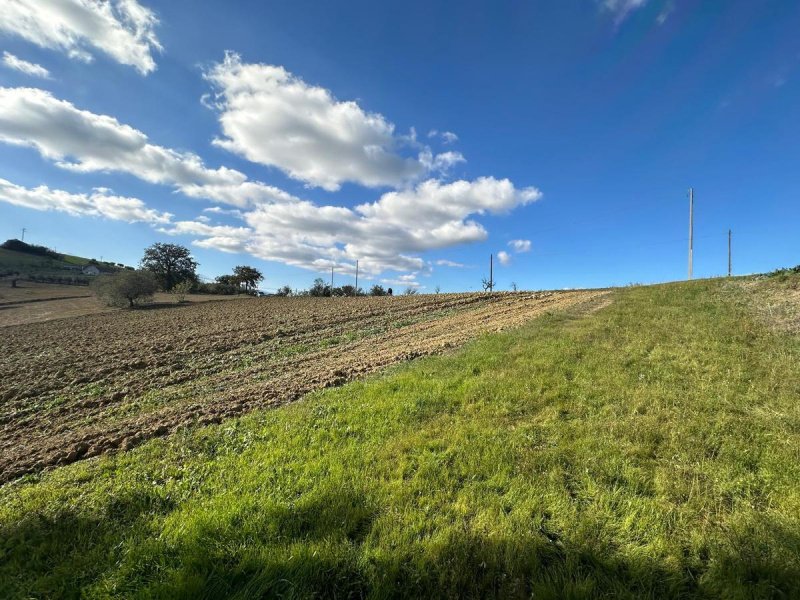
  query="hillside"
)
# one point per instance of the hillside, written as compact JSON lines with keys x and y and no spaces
{"x":29,"y":261}
{"x":644,"y":444}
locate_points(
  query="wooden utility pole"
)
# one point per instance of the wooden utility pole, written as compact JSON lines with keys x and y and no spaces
{"x":23,"y":234}
{"x":491,"y":273}
{"x":730,"y":264}
{"x":356,"y":277}
{"x":691,"y":230}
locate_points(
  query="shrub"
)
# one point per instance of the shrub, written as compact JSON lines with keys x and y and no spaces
{"x":179,"y":290}
{"x":377,"y":290}
{"x":126,"y":288}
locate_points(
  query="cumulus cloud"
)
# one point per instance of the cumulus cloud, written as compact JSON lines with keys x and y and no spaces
{"x":520,"y":246}
{"x":23,"y":66}
{"x":385,"y":235}
{"x":83,"y":141}
{"x":272,"y":117}
{"x":122,"y":29}
{"x":504,"y":258}
{"x":100,"y":203}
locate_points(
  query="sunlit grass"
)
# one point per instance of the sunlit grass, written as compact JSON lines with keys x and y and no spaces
{"x":649,"y":449}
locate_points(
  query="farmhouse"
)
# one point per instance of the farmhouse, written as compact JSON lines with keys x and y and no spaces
{"x":91,"y":270}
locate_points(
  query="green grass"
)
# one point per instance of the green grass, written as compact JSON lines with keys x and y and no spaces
{"x":32,"y":264}
{"x":649,"y":449}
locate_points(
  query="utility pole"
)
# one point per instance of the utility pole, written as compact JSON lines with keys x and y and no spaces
{"x":356,"y":277}
{"x":691,"y":229}
{"x":23,"y":234}
{"x":730,"y":264}
{"x":491,"y":274}
{"x":331,"y":280}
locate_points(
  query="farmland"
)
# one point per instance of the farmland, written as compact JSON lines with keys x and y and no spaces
{"x":32,"y":302}
{"x":79,"y":387}
{"x":643,"y":443}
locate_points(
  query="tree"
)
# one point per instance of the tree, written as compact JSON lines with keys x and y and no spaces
{"x":249,"y":276}
{"x":126,"y":288}
{"x":513,"y":286}
{"x":320,"y":288}
{"x":170,"y":263}
{"x":348,"y":290}
{"x":410,"y":291}
{"x":488,"y":284}
{"x":377,"y":290}
{"x":284,"y":291}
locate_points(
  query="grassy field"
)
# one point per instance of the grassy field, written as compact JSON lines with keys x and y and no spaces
{"x":650,"y":448}
{"x":11,"y":260}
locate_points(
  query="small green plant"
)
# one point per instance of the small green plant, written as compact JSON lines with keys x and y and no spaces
{"x":179,"y":291}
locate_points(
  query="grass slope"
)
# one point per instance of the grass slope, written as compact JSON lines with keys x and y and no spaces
{"x":45,"y":266}
{"x":649,"y":449}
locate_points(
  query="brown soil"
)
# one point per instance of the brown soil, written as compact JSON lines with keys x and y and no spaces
{"x":32,"y":302}
{"x":79,"y":387}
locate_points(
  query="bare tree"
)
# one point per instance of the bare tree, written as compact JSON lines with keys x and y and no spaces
{"x":488,"y":284}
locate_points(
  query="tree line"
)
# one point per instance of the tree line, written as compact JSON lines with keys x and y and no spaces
{"x":171,"y":268}
{"x":320,"y":288}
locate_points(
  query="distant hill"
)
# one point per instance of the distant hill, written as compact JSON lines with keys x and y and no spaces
{"x":30,"y":261}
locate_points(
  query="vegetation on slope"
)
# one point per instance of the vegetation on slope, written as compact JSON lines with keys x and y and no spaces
{"x":648,"y":449}
{"x":18,"y":258}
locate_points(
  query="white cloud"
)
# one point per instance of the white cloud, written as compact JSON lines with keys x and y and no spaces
{"x":388,"y":234}
{"x":272,"y":117}
{"x":447,"y":137}
{"x":83,"y":141}
{"x":668,"y":9}
{"x":622,"y":8}
{"x":440,"y":163}
{"x":449,"y":263}
{"x":385,"y":235}
{"x":223,"y":211}
{"x":100,"y":203}
{"x":409,"y":281}
{"x":23,"y":66}
{"x":122,"y":29}
{"x":520,"y":246}
{"x":504,"y":258}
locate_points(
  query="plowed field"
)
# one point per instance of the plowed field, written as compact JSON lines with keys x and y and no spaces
{"x":75,"y":388}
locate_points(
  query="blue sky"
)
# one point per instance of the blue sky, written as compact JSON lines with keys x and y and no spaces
{"x":417,"y":137}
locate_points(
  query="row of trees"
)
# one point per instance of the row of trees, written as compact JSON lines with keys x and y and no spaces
{"x":320,"y":289}
{"x":170,"y":268}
